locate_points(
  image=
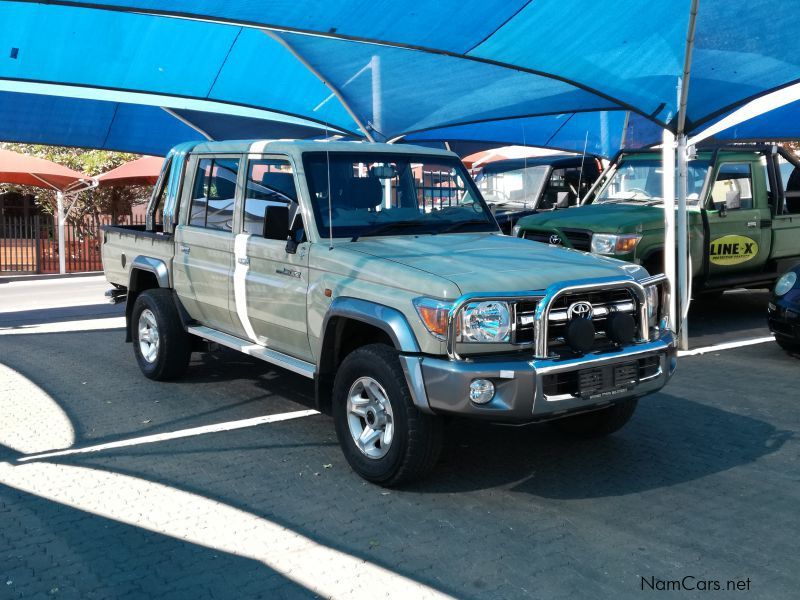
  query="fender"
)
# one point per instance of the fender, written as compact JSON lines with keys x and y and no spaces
{"x":153,"y":265}
{"x":390,"y":320}
{"x":150,"y":265}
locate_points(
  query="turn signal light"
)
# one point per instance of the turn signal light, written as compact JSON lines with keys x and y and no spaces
{"x":433,"y":314}
{"x":627,"y":244}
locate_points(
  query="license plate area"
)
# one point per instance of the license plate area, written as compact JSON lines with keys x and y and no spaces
{"x":599,"y":380}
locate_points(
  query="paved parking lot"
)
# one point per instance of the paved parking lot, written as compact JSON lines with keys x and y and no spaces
{"x":703,"y":483}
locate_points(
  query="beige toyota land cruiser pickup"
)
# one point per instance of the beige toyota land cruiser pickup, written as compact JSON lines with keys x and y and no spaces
{"x":378,"y":271}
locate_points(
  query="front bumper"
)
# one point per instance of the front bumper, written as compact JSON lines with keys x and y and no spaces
{"x":783,"y":316}
{"x":534,"y":389}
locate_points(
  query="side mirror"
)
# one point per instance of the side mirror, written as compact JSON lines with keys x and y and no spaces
{"x":562,"y":200}
{"x":276,"y":222}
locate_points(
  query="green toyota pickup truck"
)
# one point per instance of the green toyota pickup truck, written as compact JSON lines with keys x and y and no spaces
{"x":379,"y":272}
{"x":744,"y":215}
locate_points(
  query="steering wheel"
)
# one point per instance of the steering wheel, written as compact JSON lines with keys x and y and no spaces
{"x":638,"y":191}
{"x":497,"y":197}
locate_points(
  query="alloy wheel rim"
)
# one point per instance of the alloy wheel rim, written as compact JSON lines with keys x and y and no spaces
{"x":148,"y":336}
{"x":370,"y":417}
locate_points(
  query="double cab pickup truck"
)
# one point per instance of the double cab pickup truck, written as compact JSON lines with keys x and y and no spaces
{"x":327,"y":259}
{"x":743,"y":206}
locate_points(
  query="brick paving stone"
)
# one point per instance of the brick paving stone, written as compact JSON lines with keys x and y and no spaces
{"x":704,"y":481}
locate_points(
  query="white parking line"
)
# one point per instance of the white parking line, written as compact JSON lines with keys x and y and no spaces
{"x":66,"y":326}
{"x":174,"y":435}
{"x":726,"y":346}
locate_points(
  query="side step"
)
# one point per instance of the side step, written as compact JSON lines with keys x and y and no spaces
{"x":274,"y":357}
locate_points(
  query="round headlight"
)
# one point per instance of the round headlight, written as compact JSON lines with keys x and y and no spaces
{"x":785,"y":283}
{"x":488,"y":321}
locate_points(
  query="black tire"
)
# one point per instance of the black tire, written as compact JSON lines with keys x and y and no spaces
{"x":173,"y":349}
{"x":788,"y":345}
{"x":417,"y":439}
{"x":601,"y":422}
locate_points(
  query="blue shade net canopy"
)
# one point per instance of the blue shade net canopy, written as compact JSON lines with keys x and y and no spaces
{"x":476,"y":71}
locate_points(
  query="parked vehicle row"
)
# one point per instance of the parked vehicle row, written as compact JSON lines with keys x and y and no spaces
{"x":380,"y":272}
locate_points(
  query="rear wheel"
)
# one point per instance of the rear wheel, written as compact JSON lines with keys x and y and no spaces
{"x":383,"y":436}
{"x":161,"y":346}
{"x":601,"y":422}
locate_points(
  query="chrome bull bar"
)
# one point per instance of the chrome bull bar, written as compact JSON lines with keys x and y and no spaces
{"x":545,"y":301}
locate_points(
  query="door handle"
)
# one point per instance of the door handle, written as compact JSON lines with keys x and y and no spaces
{"x":752,"y":223}
{"x":243,"y":261}
{"x":289,"y":272}
{"x":185,"y":249}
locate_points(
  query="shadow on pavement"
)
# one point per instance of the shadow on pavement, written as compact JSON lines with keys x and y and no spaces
{"x":735,"y":315}
{"x":89,"y":556}
{"x":670,"y":440}
{"x":39,"y":316}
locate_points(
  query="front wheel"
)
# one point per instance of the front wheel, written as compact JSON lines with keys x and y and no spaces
{"x":161,"y":346}
{"x":601,"y":422}
{"x":383,"y":436}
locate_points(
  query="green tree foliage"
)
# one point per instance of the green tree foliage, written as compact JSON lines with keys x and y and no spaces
{"x":90,"y":205}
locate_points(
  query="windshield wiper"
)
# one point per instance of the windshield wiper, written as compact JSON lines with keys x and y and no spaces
{"x":386,"y":227}
{"x":459,"y":224}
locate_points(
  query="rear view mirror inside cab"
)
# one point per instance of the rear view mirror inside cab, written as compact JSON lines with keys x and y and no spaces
{"x":733,"y":199}
{"x":383,"y":171}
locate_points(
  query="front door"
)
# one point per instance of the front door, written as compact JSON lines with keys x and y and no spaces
{"x":270,"y":283}
{"x":737,"y":243}
{"x":204,"y":243}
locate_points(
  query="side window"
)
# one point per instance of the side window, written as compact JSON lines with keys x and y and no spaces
{"x":733,"y":179}
{"x":269,"y":182}
{"x":214,"y":193}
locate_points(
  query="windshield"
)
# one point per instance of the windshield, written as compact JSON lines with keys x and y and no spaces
{"x":641,"y":181}
{"x":516,"y":189}
{"x":384,"y":194}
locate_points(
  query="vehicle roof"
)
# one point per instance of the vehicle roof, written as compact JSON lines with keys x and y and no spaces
{"x":300,"y":146}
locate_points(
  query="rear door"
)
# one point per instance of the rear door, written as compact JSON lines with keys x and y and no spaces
{"x":739,"y":238}
{"x":204,"y":241}
{"x":270,"y":283}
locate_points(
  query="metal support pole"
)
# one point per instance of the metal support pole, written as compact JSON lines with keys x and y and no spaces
{"x":61,"y":222}
{"x":668,"y":174}
{"x":683,"y":247}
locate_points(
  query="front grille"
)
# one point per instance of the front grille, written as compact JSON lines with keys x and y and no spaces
{"x":579,"y":239}
{"x":525,"y":312}
{"x":603,"y":303}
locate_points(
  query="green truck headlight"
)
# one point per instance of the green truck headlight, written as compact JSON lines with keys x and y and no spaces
{"x":611,"y":243}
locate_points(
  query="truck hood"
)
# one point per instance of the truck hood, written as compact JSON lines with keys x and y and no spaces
{"x":492,"y":263}
{"x":600,"y":218}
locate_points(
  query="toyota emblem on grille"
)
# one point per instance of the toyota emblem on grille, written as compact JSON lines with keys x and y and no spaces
{"x":580,"y":310}
{"x":555,"y":240}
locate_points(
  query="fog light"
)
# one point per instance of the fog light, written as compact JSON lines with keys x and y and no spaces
{"x":481,"y":391}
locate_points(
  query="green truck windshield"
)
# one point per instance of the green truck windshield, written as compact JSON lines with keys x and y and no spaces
{"x":515,"y":189}
{"x":363,"y":194}
{"x":641,"y":181}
